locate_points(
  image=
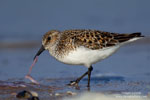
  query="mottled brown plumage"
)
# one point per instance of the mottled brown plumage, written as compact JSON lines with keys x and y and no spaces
{"x":92,"y":39}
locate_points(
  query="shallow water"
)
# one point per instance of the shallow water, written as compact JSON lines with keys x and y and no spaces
{"x":130,"y":61}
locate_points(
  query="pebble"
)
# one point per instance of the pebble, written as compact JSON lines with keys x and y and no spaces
{"x":63,"y":94}
{"x":71,"y":93}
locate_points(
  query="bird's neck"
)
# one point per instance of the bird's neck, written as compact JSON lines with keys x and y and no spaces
{"x":52,"y":48}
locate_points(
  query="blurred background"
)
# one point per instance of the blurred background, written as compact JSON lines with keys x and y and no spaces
{"x":23,"y":23}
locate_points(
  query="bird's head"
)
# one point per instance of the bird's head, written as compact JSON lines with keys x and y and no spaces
{"x":48,"y":41}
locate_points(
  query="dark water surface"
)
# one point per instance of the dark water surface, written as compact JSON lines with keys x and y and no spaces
{"x":30,"y":19}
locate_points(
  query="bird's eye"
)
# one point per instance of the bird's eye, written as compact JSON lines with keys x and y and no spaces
{"x":49,"y":38}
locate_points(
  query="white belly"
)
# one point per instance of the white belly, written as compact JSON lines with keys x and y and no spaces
{"x":87,"y":57}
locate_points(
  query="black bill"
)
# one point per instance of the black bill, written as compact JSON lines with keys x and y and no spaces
{"x":40,"y":51}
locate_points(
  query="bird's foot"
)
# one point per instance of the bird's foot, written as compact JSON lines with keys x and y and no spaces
{"x":75,"y":84}
{"x":88,"y":88}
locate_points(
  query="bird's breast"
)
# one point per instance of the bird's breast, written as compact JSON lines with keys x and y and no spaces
{"x":86,"y":57}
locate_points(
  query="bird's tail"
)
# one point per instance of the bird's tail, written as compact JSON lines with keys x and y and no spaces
{"x":128,"y":37}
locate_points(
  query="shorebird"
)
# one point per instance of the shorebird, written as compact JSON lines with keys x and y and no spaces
{"x":84,"y":47}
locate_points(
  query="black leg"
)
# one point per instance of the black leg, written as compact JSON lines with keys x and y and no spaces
{"x":89,"y":75}
{"x":75,"y":83}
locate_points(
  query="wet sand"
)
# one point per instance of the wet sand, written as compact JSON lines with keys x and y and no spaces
{"x":56,"y":89}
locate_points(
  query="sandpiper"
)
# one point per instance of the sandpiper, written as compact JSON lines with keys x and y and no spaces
{"x":84,"y":47}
